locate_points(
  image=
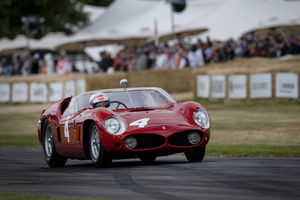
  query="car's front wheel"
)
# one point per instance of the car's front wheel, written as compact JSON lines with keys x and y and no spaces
{"x":195,"y":155}
{"x":99,"y":156}
{"x":50,"y":155}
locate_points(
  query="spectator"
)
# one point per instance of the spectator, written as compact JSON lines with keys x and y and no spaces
{"x":106,"y":60}
{"x":192,"y":57}
{"x":17,"y":66}
{"x":63,"y":65}
{"x":35,"y":68}
{"x":49,"y":62}
{"x":142,"y":61}
{"x":161,"y":60}
{"x":199,"y":58}
{"x":26,"y":66}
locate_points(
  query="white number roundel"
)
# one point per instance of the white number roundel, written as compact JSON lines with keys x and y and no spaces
{"x":140,"y":123}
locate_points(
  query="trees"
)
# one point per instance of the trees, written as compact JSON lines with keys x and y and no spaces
{"x":45,"y":16}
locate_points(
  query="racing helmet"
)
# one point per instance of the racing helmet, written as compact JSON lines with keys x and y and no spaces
{"x":99,"y":99}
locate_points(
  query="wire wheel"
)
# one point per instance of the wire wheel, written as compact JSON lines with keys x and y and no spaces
{"x":48,"y":141}
{"x":95,"y":143}
{"x":49,"y":151}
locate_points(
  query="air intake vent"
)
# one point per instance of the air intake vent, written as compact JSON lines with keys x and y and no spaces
{"x":147,"y":141}
{"x":181,"y":138}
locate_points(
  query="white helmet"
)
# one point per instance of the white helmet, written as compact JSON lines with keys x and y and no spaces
{"x":98,"y":99}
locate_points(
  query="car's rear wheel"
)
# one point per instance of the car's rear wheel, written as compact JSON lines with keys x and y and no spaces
{"x":147,"y":158}
{"x":50,"y":155}
{"x":99,"y":156}
{"x":195,"y":155}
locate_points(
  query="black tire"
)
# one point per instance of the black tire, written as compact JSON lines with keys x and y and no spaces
{"x":147,"y":158}
{"x":195,"y":155}
{"x":102,"y":158}
{"x":50,"y":154}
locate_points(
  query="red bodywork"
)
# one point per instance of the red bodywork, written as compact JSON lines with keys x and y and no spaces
{"x":164,"y":122}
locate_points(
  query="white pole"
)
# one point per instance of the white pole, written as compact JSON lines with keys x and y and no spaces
{"x":156,"y":39}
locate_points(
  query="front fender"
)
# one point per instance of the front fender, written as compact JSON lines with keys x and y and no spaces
{"x":187,"y":110}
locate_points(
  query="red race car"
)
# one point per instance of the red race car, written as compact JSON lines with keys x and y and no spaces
{"x":122,"y":123}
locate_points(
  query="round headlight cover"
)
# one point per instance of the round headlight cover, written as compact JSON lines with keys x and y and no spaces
{"x":114,"y":126}
{"x":201,"y":118}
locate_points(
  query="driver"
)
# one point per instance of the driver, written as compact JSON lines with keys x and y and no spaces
{"x":99,"y":100}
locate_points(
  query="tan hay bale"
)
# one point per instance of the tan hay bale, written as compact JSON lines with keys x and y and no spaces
{"x":103,"y":81}
{"x":173,"y":81}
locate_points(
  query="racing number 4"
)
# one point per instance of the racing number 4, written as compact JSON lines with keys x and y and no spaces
{"x":140,"y":123}
{"x":66,"y":129}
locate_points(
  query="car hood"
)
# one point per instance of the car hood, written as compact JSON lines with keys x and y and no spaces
{"x":152,"y":118}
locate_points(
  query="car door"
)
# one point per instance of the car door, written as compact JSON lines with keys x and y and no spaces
{"x":69,"y":134}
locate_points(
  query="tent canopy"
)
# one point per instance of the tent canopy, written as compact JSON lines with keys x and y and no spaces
{"x":134,"y":21}
{"x":20,"y":43}
{"x":239,"y":16}
{"x":49,"y":41}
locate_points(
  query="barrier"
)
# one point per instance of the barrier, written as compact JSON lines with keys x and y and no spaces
{"x":80,"y":84}
{"x":69,"y":88}
{"x":55,"y":91}
{"x":203,"y":83}
{"x":237,"y":86}
{"x":19,"y":92}
{"x":287,"y":85}
{"x":218,"y":86}
{"x":40,"y":89}
{"x":38,"y":92}
{"x":238,"y":79}
{"x":260,"y":86}
{"x":4,"y":92}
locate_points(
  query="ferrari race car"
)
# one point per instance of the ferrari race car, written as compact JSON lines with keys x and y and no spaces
{"x":122,"y":123}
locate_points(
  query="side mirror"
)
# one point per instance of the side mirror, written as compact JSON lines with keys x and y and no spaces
{"x":123,"y":83}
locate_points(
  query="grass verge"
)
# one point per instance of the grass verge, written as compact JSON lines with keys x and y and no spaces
{"x":19,"y":141}
{"x":38,"y":197}
{"x":252,"y":150}
{"x":239,"y":128}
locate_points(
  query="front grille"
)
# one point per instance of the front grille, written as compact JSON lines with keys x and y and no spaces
{"x":181,"y":139}
{"x":147,"y":141}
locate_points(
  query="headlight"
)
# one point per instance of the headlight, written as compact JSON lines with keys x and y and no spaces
{"x":114,"y":125}
{"x":201,"y":118}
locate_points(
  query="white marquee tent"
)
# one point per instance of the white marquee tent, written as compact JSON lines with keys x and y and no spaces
{"x":103,"y":30}
{"x":21,"y":42}
{"x":129,"y":20}
{"x":94,"y":12}
{"x":239,"y":16}
{"x":49,"y":41}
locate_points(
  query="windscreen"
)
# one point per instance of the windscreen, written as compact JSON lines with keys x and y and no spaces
{"x":138,"y":99}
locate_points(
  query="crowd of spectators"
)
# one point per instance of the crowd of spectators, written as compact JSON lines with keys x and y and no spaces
{"x":36,"y":63}
{"x":271,"y":45}
{"x":274,"y":44}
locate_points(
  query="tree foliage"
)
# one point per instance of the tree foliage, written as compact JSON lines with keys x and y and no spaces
{"x":50,"y":15}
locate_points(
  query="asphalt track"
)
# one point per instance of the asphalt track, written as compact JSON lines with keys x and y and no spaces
{"x":24,"y":171}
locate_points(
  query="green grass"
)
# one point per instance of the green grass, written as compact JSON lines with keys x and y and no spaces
{"x":20,"y":141}
{"x":252,"y":150}
{"x":238,"y":128}
{"x":19,"y":123}
{"x":38,"y":197}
